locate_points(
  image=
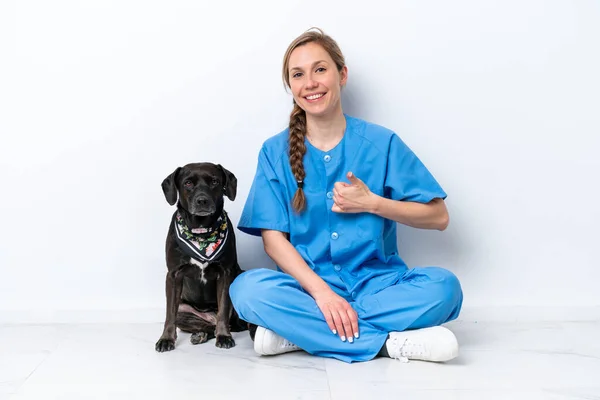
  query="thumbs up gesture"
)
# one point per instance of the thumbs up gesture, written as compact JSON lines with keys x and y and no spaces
{"x":353,"y":197}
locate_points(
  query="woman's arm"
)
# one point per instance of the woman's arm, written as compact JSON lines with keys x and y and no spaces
{"x":432,"y":215}
{"x":289,"y":260}
{"x":356,"y":197}
{"x":340,"y":316}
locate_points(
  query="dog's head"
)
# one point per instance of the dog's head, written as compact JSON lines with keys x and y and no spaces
{"x":200,"y":187}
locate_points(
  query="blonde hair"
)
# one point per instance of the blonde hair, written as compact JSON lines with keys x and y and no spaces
{"x":297,"y":126}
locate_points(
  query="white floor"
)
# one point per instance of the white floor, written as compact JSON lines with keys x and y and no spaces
{"x":498,"y":360}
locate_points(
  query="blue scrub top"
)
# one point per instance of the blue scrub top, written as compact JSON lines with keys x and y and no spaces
{"x":354,"y":253}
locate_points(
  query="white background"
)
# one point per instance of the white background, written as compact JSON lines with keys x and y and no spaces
{"x":101,"y":100}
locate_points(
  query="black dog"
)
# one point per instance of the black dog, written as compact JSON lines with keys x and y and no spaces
{"x":201,"y":257}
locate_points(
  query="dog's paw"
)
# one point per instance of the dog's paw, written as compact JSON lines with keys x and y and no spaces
{"x":165,"y":345}
{"x":199,"y":338}
{"x":224,"y":342}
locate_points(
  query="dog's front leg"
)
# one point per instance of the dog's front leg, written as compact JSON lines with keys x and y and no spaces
{"x":173,"y":288}
{"x":222,"y":331}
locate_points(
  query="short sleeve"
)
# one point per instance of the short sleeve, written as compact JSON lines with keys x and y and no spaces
{"x":265,"y":207}
{"x":407,"y":178}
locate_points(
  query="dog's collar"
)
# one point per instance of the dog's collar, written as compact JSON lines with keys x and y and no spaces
{"x":203,"y":230}
{"x":203,"y":243}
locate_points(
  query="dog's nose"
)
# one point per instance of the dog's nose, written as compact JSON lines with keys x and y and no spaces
{"x":202,"y":201}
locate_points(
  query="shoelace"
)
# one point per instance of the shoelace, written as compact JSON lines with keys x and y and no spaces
{"x":412,"y":349}
{"x":286,"y":343}
{"x":406,"y":349}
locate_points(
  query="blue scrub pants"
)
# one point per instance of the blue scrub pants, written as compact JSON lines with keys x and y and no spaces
{"x":419,"y":298}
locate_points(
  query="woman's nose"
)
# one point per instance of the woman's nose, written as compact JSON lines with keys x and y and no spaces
{"x":311,"y":83}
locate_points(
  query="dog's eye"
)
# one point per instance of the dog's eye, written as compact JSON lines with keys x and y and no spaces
{"x":215,"y":181}
{"x":188,"y":184}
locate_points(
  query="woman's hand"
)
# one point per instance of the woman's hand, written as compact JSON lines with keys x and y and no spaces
{"x":354,"y":197}
{"x":340,"y":316}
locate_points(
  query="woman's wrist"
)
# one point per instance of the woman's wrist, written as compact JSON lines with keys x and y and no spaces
{"x":320,"y":290}
{"x":374,"y":204}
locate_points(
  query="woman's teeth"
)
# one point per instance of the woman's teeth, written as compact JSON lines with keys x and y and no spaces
{"x":314,"y":96}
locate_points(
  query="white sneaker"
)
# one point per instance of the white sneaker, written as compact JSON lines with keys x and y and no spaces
{"x":428,"y":344}
{"x":268,"y":343}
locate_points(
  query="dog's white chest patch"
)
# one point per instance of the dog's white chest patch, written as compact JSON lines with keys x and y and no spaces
{"x":200,"y":265}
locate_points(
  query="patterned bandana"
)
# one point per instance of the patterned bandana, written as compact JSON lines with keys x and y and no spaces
{"x":203,"y":244}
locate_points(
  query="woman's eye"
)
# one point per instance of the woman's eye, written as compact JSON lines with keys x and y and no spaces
{"x":321,"y":69}
{"x":296,"y":75}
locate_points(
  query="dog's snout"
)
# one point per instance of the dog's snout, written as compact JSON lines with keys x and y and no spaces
{"x":202,"y":201}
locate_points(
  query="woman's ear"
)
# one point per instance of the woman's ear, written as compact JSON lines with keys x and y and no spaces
{"x":344,"y":76}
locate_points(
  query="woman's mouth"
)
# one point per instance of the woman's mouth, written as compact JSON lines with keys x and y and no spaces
{"x":313,"y":98}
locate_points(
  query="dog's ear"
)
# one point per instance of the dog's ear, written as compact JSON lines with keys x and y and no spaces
{"x":169,"y":187}
{"x":229,"y":183}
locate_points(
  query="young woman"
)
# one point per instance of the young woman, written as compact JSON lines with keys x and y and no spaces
{"x":326,"y":198}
